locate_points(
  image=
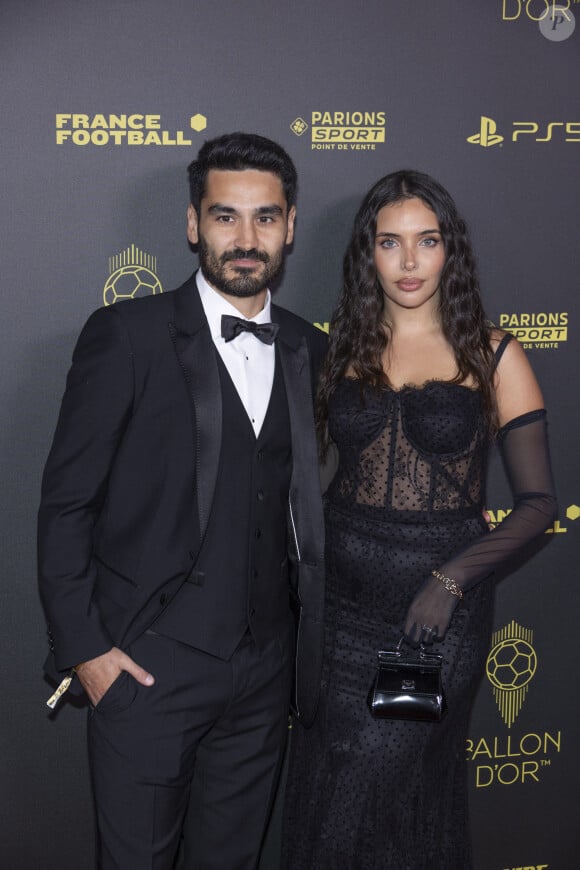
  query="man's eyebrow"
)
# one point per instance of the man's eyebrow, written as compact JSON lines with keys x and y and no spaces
{"x":269,"y":209}
{"x":217,"y":207}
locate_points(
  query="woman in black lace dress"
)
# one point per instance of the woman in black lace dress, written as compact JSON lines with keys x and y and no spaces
{"x":415,"y":386}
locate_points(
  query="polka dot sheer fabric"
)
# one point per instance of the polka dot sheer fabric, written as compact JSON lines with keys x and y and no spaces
{"x":367,"y":794}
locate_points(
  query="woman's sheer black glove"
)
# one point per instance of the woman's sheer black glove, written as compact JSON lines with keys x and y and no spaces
{"x":523,"y":444}
{"x":430,"y":613}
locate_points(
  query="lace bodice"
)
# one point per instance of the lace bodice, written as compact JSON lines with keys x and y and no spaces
{"x":419,"y":455}
{"x":411,"y":453}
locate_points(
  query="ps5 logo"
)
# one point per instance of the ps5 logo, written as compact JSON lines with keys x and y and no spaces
{"x":552,"y":131}
{"x":487,"y":135}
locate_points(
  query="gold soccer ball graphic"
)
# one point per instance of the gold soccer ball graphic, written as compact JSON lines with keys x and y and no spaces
{"x":511,"y":664}
{"x":130,"y":282}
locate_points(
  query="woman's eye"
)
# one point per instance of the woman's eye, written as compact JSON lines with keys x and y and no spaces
{"x":388,"y":243}
{"x":429,"y":243}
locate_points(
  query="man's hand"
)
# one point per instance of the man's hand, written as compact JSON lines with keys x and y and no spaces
{"x":97,"y":675}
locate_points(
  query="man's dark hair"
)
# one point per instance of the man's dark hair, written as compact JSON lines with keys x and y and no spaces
{"x":238,"y":151}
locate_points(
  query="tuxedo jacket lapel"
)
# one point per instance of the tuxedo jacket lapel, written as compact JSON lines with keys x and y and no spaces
{"x":306,"y":520}
{"x":197,"y":357}
{"x":305,"y":486}
{"x":196,"y":353}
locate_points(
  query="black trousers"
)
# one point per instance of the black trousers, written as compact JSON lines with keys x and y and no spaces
{"x":208,"y":731}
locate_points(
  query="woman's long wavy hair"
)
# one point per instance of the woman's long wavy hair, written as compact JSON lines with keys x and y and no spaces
{"x":358,"y":333}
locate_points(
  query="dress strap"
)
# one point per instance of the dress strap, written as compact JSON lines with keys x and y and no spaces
{"x":501,"y":347}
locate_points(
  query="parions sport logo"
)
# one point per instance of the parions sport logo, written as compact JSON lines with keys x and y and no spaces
{"x":125,"y":129}
{"x":342,"y":130}
{"x":537,"y":330}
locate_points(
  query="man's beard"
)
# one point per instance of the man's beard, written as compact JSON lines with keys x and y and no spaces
{"x":245,"y":284}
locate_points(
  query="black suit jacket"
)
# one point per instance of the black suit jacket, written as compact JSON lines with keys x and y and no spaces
{"x":129,"y":481}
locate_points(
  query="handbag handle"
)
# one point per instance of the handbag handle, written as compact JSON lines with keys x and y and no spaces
{"x":422,"y":655}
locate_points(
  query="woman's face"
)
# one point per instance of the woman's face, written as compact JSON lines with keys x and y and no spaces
{"x":409,"y":254}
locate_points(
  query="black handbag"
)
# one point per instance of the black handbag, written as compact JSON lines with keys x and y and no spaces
{"x":408,"y":685}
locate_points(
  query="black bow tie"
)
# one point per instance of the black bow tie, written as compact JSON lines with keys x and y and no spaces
{"x":232,"y":326}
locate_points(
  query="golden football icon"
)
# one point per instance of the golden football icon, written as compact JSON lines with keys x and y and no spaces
{"x":130,"y":282}
{"x":132,"y":274}
{"x":510,"y":667}
{"x":511,"y":664}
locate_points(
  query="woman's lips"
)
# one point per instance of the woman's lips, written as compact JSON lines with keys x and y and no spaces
{"x":409,"y":284}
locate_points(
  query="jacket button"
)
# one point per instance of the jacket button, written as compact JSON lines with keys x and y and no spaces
{"x":253,"y":611}
{"x":260,"y":495}
{"x":258,"y":533}
{"x":260,"y":455}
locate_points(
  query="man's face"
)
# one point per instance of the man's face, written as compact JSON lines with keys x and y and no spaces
{"x":241,"y":230}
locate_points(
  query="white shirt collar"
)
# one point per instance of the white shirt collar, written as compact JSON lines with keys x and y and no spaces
{"x":214,"y":305}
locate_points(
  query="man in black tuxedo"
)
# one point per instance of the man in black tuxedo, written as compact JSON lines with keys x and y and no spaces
{"x":180,"y":517}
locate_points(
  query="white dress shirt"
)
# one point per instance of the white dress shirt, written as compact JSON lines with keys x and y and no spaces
{"x":250,"y":362}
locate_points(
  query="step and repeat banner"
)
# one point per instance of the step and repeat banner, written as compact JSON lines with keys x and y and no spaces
{"x":103,"y":105}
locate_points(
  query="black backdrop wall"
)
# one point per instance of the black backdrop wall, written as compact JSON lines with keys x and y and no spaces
{"x":103,"y":104}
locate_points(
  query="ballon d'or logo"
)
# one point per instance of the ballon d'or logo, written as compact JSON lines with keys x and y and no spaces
{"x":510,"y":667}
{"x":131,"y":274}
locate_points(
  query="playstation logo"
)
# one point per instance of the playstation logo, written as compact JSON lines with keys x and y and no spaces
{"x":487,"y":135}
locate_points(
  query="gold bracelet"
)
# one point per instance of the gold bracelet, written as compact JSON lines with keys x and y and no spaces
{"x":449,"y":584}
